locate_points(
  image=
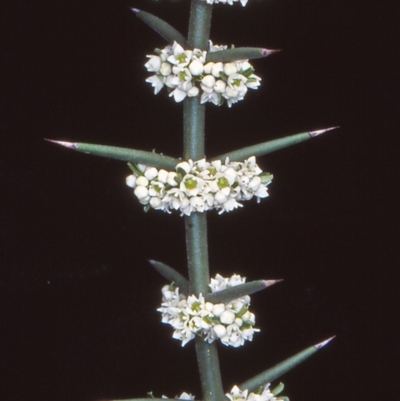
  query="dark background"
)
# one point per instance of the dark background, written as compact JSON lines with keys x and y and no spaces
{"x":78,"y":297}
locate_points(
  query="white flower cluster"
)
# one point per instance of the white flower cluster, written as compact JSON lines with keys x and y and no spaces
{"x":232,"y":323}
{"x":230,"y":2}
{"x":238,"y":395}
{"x":199,"y":186}
{"x":183,"y":396}
{"x":185,"y":72}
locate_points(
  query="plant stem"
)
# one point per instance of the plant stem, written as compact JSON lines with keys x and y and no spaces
{"x":193,"y":126}
{"x":199,"y":24}
{"x":196,"y":223}
{"x":197,"y":253}
{"x":210,"y":375}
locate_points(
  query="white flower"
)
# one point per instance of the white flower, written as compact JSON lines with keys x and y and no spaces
{"x":154,"y":64}
{"x":178,"y":94}
{"x":210,"y":97}
{"x":156,"y":83}
{"x":179,"y":57}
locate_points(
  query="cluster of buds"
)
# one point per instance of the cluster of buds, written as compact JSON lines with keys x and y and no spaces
{"x":236,"y":394}
{"x":264,"y":394}
{"x":183,"y":396}
{"x":230,"y":2}
{"x":199,"y":186}
{"x":185,"y":72}
{"x":232,"y":323}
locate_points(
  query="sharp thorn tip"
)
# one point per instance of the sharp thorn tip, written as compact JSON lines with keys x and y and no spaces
{"x":268,"y":52}
{"x":323,"y":343}
{"x":321,"y":131}
{"x":70,"y":145}
{"x":268,"y":283}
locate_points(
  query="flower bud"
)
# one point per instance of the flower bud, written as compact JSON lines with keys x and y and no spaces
{"x":218,"y":309}
{"x":230,"y":68}
{"x":208,"y":81}
{"x":162,"y":176}
{"x":131,"y":181}
{"x":208,"y":68}
{"x":155,"y":202}
{"x":151,"y":173}
{"x":142,"y":181}
{"x":219,"y":330}
{"x":227,"y":317}
{"x":217,"y":68}
{"x":220,"y":197}
{"x":165,"y":69}
{"x":219,"y":86}
{"x":141,"y":192}
{"x":196,"y":67}
{"x":171,"y":179}
{"x":192,"y":92}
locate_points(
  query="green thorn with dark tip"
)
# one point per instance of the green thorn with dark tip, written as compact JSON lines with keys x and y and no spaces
{"x":281,"y":368}
{"x":125,"y":154}
{"x":239,"y":53}
{"x":168,"y":32}
{"x":231,"y":293}
{"x":264,"y":148}
{"x":172,"y":276}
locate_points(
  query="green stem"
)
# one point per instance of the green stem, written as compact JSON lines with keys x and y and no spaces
{"x":193,"y":126}
{"x":196,"y":223}
{"x":199,"y":24}
{"x":197,"y":253}
{"x":210,"y":375}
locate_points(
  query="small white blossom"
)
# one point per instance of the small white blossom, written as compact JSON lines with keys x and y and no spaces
{"x":156,"y":83}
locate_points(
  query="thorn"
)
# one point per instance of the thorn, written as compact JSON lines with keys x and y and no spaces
{"x":268,"y":283}
{"x":152,"y":262}
{"x":321,"y":131}
{"x":135,"y":10}
{"x":70,"y":145}
{"x":268,"y":52}
{"x":323,"y":343}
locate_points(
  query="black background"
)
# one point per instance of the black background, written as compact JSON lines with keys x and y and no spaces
{"x":78,"y":297}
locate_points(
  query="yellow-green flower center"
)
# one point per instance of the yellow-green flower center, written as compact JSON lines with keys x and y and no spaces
{"x":190,"y":183}
{"x":223,"y":182}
